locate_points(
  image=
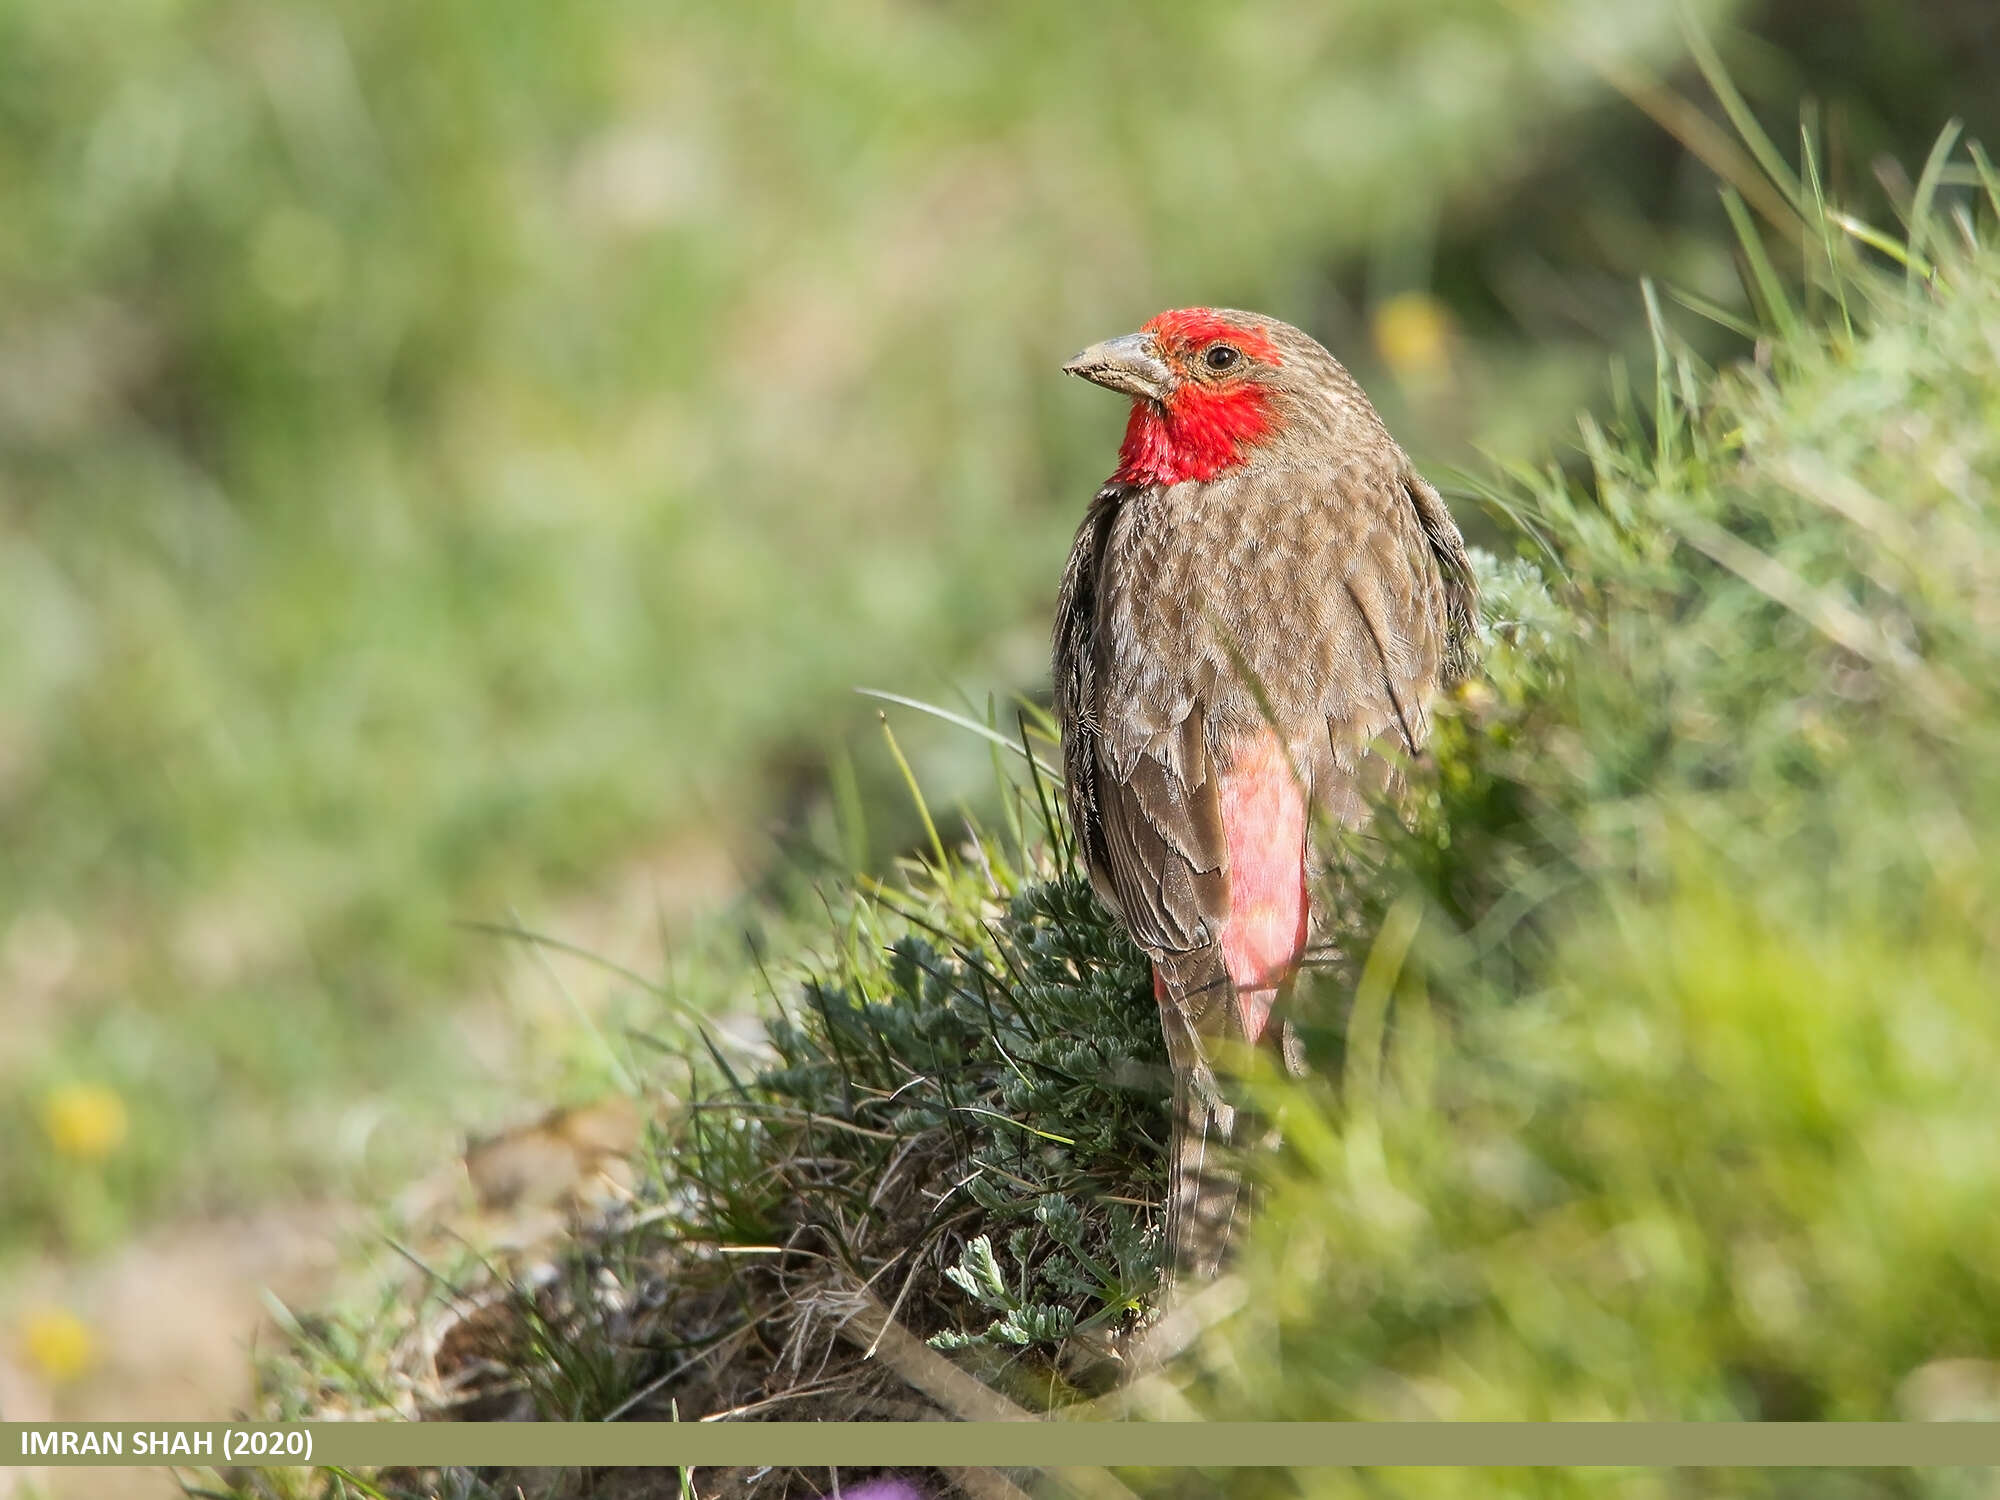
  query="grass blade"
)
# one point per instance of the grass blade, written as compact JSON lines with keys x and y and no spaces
{"x":1770,"y":290}
{"x":1921,"y":220}
{"x":963,"y":721}
{"x":1715,"y":312}
{"x":1816,"y":198}
{"x":1876,"y":239}
{"x":1760,"y":145}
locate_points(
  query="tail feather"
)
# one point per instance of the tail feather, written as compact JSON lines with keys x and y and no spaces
{"x":1206,"y":1193}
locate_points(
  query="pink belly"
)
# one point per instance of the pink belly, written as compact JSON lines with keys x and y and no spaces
{"x":1264,"y":822}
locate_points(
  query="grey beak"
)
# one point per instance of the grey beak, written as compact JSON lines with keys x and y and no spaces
{"x":1130,"y":364}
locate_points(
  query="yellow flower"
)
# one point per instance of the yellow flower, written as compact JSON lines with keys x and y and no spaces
{"x":1413,"y":336}
{"x":58,"y":1344}
{"x":85,"y":1120}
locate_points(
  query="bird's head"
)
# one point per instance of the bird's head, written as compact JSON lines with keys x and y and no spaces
{"x":1211,"y":389}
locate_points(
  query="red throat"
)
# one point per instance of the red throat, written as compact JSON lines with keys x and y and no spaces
{"x":1199,"y":434}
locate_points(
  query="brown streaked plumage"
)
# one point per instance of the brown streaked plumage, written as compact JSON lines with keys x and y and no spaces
{"x":1263,"y":598}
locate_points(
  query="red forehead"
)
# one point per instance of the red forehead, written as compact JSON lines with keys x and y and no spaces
{"x":1196,"y":327}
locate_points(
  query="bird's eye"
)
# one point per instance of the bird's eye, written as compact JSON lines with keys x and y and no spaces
{"x":1221,"y":357}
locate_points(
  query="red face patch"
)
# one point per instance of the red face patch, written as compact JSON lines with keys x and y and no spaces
{"x":1206,"y":425}
{"x":1188,"y":330}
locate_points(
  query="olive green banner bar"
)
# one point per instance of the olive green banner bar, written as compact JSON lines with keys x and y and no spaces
{"x":1009,"y":1444}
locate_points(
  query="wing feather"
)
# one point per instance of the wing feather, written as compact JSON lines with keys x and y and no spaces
{"x":1148,"y":819}
{"x":1349,"y":602}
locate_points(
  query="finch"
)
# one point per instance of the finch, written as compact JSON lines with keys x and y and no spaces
{"x":1260,"y":606}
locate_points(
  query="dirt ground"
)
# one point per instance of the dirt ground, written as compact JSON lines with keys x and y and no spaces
{"x":174,"y":1315}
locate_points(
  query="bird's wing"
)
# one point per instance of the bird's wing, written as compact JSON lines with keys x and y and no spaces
{"x":1160,"y":818}
{"x":1148,"y":821}
{"x":1376,"y":574}
{"x":1142,"y":799}
{"x":1460,"y":590}
{"x":1075,"y":683}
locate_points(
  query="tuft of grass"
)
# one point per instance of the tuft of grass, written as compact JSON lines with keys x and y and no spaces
{"x":954,"y":1134}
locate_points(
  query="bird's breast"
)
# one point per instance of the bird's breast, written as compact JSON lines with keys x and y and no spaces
{"x":1217,"y":592}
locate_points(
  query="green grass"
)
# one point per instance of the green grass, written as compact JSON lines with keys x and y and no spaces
{"x":1654,"y":1053}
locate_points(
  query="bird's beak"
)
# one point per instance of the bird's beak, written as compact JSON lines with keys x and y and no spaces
{"x":1131,"y":364}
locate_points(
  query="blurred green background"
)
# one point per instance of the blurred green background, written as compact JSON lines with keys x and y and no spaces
{"x":458,"y":459}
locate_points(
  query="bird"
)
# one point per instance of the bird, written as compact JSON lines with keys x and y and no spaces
{"x":1259,"y":610}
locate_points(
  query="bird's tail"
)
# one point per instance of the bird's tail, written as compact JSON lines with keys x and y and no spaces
{"x":1206,"y":1194}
